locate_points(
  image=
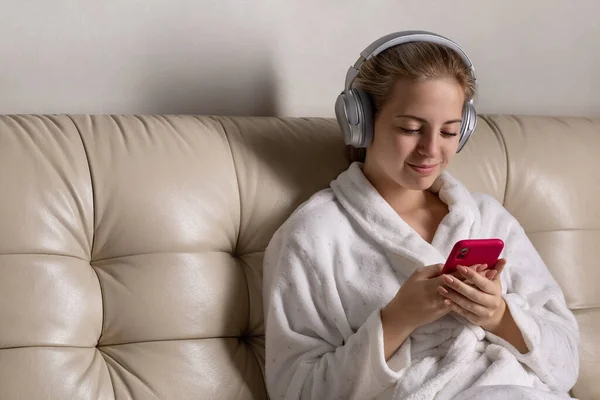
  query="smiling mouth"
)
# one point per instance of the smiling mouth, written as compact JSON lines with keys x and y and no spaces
{"x":424,"y":166}
{"x":424,"y":169}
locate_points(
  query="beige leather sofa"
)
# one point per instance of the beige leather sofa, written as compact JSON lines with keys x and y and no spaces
{"x":131,"y":247}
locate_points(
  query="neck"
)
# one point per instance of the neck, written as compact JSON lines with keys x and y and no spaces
{"x":401,"y":199}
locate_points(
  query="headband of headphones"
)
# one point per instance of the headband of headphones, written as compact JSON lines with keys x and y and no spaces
{"x":397,"y":38}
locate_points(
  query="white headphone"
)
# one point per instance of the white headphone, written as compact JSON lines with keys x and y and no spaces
{"x":354,"y":109}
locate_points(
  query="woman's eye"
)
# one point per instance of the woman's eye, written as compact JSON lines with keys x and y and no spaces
{"x":410,"y":131}
{"x":449,"y":134}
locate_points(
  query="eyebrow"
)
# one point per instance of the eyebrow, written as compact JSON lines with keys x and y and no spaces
{"x":452,"y":121}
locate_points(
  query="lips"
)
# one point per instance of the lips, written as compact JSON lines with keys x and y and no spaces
{"x":424,"y":169}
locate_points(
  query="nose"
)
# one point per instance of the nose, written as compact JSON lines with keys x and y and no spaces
{"x":429,"y":144}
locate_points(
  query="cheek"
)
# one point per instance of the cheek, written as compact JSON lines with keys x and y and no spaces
{"x":393,"y":147}
{"x":401,"y":145}
{"x":388,"y":143}
{"x":449,"y":153}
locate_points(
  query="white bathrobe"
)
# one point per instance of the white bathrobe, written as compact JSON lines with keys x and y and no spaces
{"x":343,"y":255}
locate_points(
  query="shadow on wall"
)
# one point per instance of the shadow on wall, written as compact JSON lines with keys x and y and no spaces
{"x":229,"y":84}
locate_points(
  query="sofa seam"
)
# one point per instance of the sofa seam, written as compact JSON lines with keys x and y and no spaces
{"x":237,"y":178}
{"x":190,"y":339}
{"x":496,"y":129}
{"x":89,"y":165}
{"x":243,"y":266}
{"x":239,"y":230}
{"x":126,"y":368}
{"x":87,"y":159}
{"x":261,"y":369}
{"x":46,"y":255}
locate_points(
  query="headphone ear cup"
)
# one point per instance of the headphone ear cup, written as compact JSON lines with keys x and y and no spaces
{"x":468,"y":125}
{"x":354,"y":114}
{"x":346,"y":116}
{"x":348,"y":111}
{"x":365,"y":107}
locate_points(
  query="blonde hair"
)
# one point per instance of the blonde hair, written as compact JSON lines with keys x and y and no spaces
{"x":415,"y":60}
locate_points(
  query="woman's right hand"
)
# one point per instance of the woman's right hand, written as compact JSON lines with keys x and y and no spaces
{"x":417,"y":303}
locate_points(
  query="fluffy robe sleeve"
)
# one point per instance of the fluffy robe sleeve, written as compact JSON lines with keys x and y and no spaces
{"x":538,"y":307}
{"x":306,"y":354}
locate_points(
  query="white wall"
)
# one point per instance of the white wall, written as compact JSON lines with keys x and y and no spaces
{"x":281,"y":57}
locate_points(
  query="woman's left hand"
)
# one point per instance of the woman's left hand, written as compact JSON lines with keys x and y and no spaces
{"x":480,"y":301}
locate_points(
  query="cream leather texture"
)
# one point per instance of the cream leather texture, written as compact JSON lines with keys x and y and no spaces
{"x":131,"y":246}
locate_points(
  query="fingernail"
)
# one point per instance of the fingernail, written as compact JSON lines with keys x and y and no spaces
{"x":464,"y":270}
{"x":480,"y":267}
{"x":491,"y":274}
{"x":447,"y":279}
{"x":442,"y":289}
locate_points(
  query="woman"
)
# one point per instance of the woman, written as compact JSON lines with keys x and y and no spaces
{"x":355,"y":306}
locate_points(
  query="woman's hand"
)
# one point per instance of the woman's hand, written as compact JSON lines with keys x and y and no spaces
{"x":481,"y":301}
{"x":417,"y":302}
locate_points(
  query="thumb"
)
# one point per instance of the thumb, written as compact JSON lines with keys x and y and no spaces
{"x":430,"y":271}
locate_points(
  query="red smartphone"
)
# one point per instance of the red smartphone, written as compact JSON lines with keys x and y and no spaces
{"x":473,"y":251}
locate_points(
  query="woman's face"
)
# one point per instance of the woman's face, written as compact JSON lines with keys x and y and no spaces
{"x":416,"y":132}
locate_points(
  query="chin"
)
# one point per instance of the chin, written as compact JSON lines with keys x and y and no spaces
{"x":414,"y":182}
